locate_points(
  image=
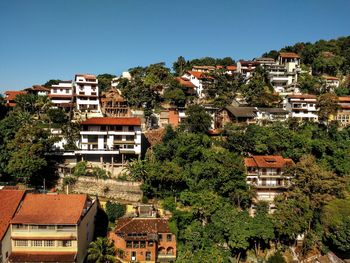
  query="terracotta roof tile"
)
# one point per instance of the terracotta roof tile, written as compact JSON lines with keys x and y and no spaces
{"x":231,"y":68}
{"x":51,"y":209}
{"x":142,"y":225}
{"x":112,"y":121}
{"x":185,"y":82}
{"x":267,"y":161}
{"x":289,"y":55}
{"x":199,"y":75}
{"x":63,"y":257}
{"x":344,"y":99}
{"x":11,"y":95}
{"x":10,"y":200}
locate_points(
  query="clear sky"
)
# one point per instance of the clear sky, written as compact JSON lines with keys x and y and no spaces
{"x":54,"y":39}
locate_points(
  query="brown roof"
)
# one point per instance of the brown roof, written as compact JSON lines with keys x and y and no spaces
{"x":112,"y":121}
{"x":330,"y":78}
{"x":10,"y":200}
{"x":49,"y":209}
{"x":86,"y":76}
{"x":344,"y":99}
{"x":11,"y":95}
{"x":142,"y":225}
{"x":204,"y":67}
{"x":42,"y":257}
{"x":249,"y":63}
{"x":267,"y":161}
{"x":302,"y":96}
{"x":185,"y":82}
{"x":289,"y":55}
{"x":242,"y":112}
{"x":232,"y":68}
{"x":38,"y":88}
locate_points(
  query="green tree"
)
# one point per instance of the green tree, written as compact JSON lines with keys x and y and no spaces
{"x":57,"y":116}
{"x":114,"y":211}
{"x":197,"y":120}
{"x":80,"y":169}
{"x":51,"y":82}
{"x":26,"y":103}
{"x":336,"y":222}
{"x":180,"y":66}
{"x":101,"y":251}
{"x":327,"y":105}
{"x":104,"y":81}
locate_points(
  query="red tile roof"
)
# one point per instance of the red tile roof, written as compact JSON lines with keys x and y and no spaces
{"x":62,"y":257}
{"x":11,"y":95}
{"x":185,"y":82}
{"x":231,"y":68}
{"x":10,"y":200}
{"x":49,"y":209}
{"x":142,"y":225}
{"x":289,"y":55}
{"x":86,"y":76}
{"x":302,"y":96}
{"x":344,"y":99}
{"x":330,"y":78}
{"x":112,"y":121}
{"x":38,"y":88}
{"x":199,"y":75}
{"x":268,"y":161}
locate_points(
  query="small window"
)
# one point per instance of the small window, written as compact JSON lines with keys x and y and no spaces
{"x":168,"y":237}
{"x":128,"y":244}
{"x":160,"y":237}
{"x":66,"y":243}
{"x":49,"y":243}
{"x":67,"y":91}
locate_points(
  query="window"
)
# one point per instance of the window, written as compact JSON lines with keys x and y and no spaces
{"x":168,"y":237}
{"x":55,"y":91}
{"x":67,"y":91}
{"x":150,"y":243}
{"x":136,"y":244}
{"x":160,"y":237}
{"x":37,"y":243}
{"x":133,"y":255}
{"x":142,"y":244}
{"x":66,"y":243}
{"x":21,"y":243}
{"x":49,"y":243}
{"x":129,"y":137}
{"x":128,"y":244}
{"x":148,"y":256}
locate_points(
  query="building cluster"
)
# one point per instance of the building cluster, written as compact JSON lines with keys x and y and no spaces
{"x":36,"y":227}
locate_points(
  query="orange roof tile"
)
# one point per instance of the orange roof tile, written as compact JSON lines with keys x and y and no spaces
{"x":344,"y":99}
{"x":289,"y":55}
{"x":268,"y":161}
{"x":185,"y":82}
{"x":51,"y":209}
{"x":86,"y":76}
{"x":112,"y":121}
{"x":199,"y":75}
{"x":330,"y":78}
{"x":231,"y":68}
{"x":142,"y":225}
{"x":63,"y":257}
{"x":11,"y":95}
{"x":10,"y":200}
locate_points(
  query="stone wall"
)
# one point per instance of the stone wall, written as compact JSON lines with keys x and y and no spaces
{"x":109,"y":189}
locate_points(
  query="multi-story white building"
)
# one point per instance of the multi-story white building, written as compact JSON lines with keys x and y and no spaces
{"x":331,"y":83}
{"x":246,"y":68}
{"x":265,"y":174}
{"x":109,"y":140}
{"x":62,"y":94}
{"x":301,"y":106}
{"x":86,"y":93}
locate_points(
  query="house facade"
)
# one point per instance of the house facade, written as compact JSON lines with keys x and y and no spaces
{"x":237,"y":115}
{"x":10,"y":97}
{"x":200,"y":80}
{"x":62,"y":95}
{"x":301,"y":106}
{"x":10,"y":202}
{"x":109,"y":140}
{"x":265,"y":174}
{"x":53,"y":228}
{"x":86,"y":94}
{"x":144,"y":240}
{"x":343,"y":113}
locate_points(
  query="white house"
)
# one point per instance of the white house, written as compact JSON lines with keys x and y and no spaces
{"x":301,"y":106}
{"x":62,"y":94}
{"x":86,"y":93}
{"x":109,"y":140}
{"x":200,"y":80}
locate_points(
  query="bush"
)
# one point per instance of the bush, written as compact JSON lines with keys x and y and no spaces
{"x":276,"y":258}
{"x":80,"y":169}
{"x":69,"y":180}
{"x":114,"y":211}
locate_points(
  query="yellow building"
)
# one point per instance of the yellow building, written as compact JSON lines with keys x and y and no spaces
{"x":53,"y":228}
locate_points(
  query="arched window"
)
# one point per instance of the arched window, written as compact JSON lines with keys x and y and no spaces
{"x":161,"y":250}
{"x":170,"y":251}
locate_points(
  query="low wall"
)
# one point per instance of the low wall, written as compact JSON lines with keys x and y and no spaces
{"x":109,"y":189}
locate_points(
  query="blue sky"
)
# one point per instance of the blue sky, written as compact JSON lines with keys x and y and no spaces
{"x":54,"y":39}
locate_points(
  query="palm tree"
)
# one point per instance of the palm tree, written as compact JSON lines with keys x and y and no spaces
{"x":101,"y":251}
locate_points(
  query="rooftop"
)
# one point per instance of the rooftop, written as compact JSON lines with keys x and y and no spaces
{"x":112,"y":121}
{"x":302,"y":96}
{"x":10,"y":200}
{"x":267,"y":161}
{"x":242,"y":111}
{"x":185,"y":82}
{"x":42,"y":209}
{"x":11,"y":95}
{"x":142,"y":225}
{"x":289,"y":55}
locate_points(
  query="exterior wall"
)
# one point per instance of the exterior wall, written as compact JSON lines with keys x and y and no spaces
{"x":87,"y":93}
{"x":86,"y":230}
{"x":6,"y":247}
{"x":166,"y":248}
{"x":44,"y":234}
{"x":62,"y":88}
{"x":302,"y":108}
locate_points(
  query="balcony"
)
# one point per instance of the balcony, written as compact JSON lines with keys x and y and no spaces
{"x":267,"y":186}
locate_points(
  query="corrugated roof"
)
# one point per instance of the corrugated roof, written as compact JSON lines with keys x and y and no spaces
{"x":49,"y":209}
{"x":9,"y":202}
{"x":242,"y":111}
{"x":112,"y":121}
